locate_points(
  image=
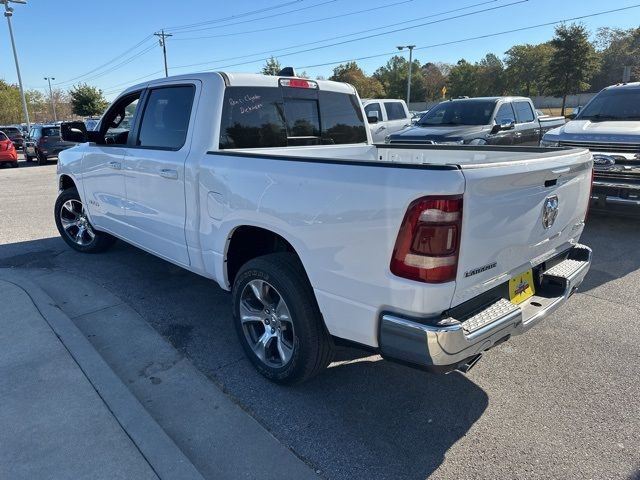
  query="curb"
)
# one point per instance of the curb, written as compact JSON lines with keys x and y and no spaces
{"x":158,"y":449}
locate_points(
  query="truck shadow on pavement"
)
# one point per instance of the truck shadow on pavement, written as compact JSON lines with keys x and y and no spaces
{"x":362,"y":418}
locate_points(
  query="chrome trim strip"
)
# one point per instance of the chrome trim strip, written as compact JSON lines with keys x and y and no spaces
{"x":600,"y":183}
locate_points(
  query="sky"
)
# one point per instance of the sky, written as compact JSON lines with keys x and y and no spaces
{"x":110,"y":44}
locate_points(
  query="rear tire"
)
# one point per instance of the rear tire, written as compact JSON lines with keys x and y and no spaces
{"x":42,"y":159}
{"x":278,"y":320}
{"x":14,"y":164}
{"x":74,"y":226}
{"x":28,"y":158}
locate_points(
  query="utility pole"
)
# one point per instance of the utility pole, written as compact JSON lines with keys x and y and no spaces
{"x":163,"y":43}
{"x":8,"y":12}
{"x":410,"y":47}
{"x":53,"y":103}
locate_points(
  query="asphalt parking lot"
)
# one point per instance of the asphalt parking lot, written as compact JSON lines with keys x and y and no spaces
{"x":562,"y":401}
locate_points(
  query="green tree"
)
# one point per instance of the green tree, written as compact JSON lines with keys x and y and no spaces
{"x":10,"y":105}
{"x":573,"y":63}
{"x":527,"y":68}
{"x":271,"y":67}
{"x":490,"y":76}
{"x":367,"y":87}
{"x":462,"y":79}
{"x":394,"y":74}
{"x":617,"y":49}
{"x":434,"y":78}
{"x":87,"y":100}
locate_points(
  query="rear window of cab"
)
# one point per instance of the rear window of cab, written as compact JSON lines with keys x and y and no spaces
{"x":260,"y":117}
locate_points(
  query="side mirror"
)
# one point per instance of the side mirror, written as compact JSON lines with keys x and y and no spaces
{"x":571,"y":116}
{"x":507,"y":124}
{"x":75,"y":132}
{"x":372,"y":118}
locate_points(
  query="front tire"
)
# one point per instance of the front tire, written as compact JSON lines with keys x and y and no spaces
{"x":28,"y":158}
{"x":74,"y":226}
{"x":278,"y":320}
{"x":42,"y":159}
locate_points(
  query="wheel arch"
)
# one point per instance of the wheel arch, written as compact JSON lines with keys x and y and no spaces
{"x":245,"y":242}
{"x":65,"y":182}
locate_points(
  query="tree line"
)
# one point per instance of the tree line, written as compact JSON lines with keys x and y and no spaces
{"x":567,"y":64}
{"x":79,"y":101}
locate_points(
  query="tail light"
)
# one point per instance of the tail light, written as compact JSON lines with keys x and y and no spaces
{"x":298,"y":83}
{"x":428,"y":242}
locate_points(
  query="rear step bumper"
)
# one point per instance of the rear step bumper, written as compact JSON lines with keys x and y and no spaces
{"x":454,"y":342}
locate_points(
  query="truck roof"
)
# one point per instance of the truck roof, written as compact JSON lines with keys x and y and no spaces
{"x":488,"y":99}
{"x":630,"y":85}
{"x":241,"y":80}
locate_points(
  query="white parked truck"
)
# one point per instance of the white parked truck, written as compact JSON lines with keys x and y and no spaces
{"x":386,"y":116}
{"x":271,"y":187}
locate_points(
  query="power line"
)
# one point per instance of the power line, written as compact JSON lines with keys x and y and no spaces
{"x":218,"y":20}
{"x":121,"y":64}
{"x":479,"y":37}
{"x":261,"y":18}
{"x":366,"y":10}
{"x":359,"y":38}
{"x":71,"y":80}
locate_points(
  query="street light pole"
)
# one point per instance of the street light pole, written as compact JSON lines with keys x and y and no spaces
{"x":53,"y":103}
{"x":8,"y":12}
{"x":410,"y":47}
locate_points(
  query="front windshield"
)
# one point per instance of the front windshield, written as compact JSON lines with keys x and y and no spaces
{"x":614,"y":104}
{"x":463,"y":112}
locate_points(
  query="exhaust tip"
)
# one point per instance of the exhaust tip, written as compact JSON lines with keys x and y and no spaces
{"x":469,"y":363}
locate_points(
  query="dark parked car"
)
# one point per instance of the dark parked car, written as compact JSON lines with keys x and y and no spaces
{"x":44,"y":143}
{"x":479,"y":121}
{"x":15,"y":135}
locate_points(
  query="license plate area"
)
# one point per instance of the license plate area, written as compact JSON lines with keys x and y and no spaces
{"x":521,"y":287}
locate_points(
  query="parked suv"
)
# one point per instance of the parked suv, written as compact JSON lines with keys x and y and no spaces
{"x":44,"y":143}
{"x":15,"y":135}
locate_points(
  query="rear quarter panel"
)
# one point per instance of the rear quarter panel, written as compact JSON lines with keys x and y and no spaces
{"x":342,"y":219}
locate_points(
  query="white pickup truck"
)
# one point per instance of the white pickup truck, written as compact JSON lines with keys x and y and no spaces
{"x":270,"y":186}
{"x":385,"y":116}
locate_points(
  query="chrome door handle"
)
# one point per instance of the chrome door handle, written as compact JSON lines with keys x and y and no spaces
{"x":115,"y":165}
{"x":168,"y":173}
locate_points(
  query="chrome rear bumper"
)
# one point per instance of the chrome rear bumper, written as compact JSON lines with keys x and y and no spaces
{"x":451,"y":342}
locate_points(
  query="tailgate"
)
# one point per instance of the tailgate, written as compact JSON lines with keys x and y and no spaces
{"x":506,"y":205}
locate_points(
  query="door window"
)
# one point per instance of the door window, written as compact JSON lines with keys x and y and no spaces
{"x":505,"y":114}
{"x":165,"y":120}
{"x":395,"y":110}
{"x":373,"y":109}
{"x":524,"y":113}
{"x":118,"y":121}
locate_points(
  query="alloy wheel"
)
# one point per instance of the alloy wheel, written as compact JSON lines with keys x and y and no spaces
{"x":266,"y":323}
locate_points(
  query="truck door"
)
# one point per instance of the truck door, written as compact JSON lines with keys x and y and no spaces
{"x":378,"y":130}
{"x":154,"y":169}
{"x":397,"y":117}
{"x":527,"y":131}
{"x":504,"y":116}
{"x":102,"y":178}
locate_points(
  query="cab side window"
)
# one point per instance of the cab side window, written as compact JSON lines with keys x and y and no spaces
{"x":505,"y":114}
{"x":395,"y":110}
{"x":165,"y":120}
{"x":524,"y":113}
{"x":118,"y":121}
{"x":373,"y":109}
